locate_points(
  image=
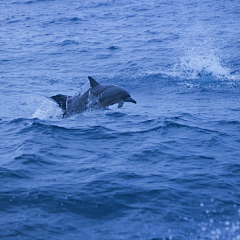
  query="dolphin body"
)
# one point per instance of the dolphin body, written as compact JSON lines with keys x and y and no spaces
{"x":96,"y":97}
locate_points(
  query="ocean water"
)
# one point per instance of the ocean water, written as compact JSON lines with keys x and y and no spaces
{"x":165,"y":168}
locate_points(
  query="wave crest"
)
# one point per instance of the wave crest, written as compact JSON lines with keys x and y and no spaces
{"x":199,"y":62}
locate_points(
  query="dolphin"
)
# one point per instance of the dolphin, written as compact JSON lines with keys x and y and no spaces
{"x":96,"y":97}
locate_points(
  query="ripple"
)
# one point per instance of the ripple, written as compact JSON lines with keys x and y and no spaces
{"x":32,"y":159}
{"x":69,"y":42}
{"x":14,"y":174}
{"x":113,"y":48}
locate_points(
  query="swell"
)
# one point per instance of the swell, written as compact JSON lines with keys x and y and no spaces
{"x":167,"y":177}
{"x":118,"y":194}
{"x":181,"y":124}
{"x":32,"y":1}
{"x":23,"y":125}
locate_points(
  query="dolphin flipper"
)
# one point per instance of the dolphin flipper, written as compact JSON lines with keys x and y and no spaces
{"x":61,"y":100}
{"x":120,"y":103}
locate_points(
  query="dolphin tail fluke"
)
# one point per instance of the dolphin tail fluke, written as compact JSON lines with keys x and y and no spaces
{"x":93,"y":83}
{"x":61,"y":100}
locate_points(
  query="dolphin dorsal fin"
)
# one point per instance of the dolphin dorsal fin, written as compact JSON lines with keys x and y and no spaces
{"x":93,"y":83}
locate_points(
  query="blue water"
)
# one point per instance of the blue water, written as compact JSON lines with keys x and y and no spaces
{"x":165,"y":168}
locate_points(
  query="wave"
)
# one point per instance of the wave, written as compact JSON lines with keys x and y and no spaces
{"x":200,"y":57}
{"x":136,"y":126}
{"x":126,"y":195}
{"x":62,"y":20}
{"x":31,"y":1}
{"x":197,"y":65}
{"x":10,"y":174}
{"x":68,"y":42}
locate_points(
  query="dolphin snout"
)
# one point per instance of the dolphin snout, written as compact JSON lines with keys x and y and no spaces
{"x":129,"y":99}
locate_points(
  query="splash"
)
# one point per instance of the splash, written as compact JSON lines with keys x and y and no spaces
{"x":43,"y":108}
{"x":200,"y":59}
{"x":83,"y":89}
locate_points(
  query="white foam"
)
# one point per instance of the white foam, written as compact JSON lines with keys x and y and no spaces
{"x":200,"y":60}
{"x":43,"y":108}
{"x":198,"y":56}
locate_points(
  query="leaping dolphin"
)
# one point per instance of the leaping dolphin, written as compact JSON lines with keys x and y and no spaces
{"x":97,"y":96}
